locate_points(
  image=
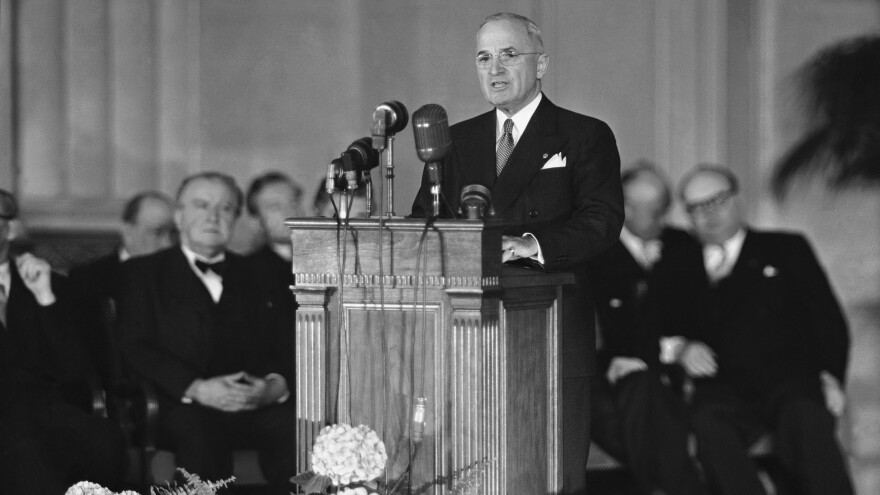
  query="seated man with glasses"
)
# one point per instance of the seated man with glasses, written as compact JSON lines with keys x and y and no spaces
{"x":765,"y":342}
{"x":555,"y":179}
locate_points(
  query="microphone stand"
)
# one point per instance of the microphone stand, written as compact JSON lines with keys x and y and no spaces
{"x":387,"y":155}
{"x":368,"y":184}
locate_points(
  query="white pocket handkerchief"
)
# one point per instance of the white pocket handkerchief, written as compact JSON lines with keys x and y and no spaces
{"x":556,"y":161}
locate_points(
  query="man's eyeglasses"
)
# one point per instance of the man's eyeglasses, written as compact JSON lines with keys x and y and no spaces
{"x":508,"y":58}
{"x":711,"y":204}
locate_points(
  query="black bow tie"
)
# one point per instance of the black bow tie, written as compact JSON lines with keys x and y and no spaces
{"x":218,"y":267}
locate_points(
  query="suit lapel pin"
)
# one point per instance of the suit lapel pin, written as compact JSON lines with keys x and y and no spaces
{"x":770,"y":271}
{"x":545,"y":156}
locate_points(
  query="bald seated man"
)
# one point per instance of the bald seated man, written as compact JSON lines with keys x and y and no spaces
{"x":635,"y":417}
{"x":767,"y":350}
{"x":147,"y":226}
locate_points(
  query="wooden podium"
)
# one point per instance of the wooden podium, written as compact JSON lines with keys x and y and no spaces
{"x":479,"y":340}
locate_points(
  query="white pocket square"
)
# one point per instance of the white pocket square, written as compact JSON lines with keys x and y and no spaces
{"x":556,"y":161}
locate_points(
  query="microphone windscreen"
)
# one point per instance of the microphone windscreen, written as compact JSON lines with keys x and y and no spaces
{"x":365,"y":157}
{"x":431,"y":130}
{"x":396,"y":116}
{"x":475,"y":200}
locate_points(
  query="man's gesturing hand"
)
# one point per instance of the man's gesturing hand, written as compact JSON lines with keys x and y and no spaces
{"x":37,"y":276}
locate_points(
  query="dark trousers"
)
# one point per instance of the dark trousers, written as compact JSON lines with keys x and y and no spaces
{"x":575,"y":434}
{"x":49,"y":446}
{"x":203,"y":440}
{"x":804,"y":443}
{"x":641,"y":422}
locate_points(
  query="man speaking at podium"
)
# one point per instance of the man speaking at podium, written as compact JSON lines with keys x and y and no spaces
{"x":554,"y":176}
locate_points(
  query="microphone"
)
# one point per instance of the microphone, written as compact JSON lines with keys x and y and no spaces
{"x":431,"y":130}
{"x":389,"y":118}
{"x":359,"y":157}
{"x":349,"y":169}
{"x":364,"y":156}
{"x":334,"y":170}
{"x":475,"y":201}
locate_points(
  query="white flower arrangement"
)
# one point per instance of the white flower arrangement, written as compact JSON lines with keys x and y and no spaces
{"x":347,"y":454}
{"x":344,"y":455}
{"x":89,"y":488}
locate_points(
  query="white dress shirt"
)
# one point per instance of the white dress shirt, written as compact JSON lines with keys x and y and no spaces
{"x":5,"y":277}
{"x":213,"y":282}
{"x":520,"y":122}
{"x":646,"y":253}
{"x":719,"y":260}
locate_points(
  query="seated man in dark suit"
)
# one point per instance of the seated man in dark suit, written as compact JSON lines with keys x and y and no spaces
{"x":272,"y":198}
{"x":46,"y":444}
{"x":768,"y":348}
{"x":635,"y":417}
{"x":189,"y":319}
{"x":147,"y":227}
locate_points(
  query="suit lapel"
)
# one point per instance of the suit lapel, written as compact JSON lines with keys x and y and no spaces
{"x":537,"y":144}
{"x":740,"y":280}
{"x":475,"y":150}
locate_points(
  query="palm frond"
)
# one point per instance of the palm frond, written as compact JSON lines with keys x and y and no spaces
{"x":841,"y":87}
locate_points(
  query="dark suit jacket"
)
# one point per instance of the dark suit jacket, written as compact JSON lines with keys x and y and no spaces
{"x":774,"y":322}
{"x":39,"y":352}
{"x":99,"y":278}
{"x":575,"y":212}
{"x":173,"y":332}
{"x":92,"y":285}
{"x":278,"y":305}
{"x":630,"y":300}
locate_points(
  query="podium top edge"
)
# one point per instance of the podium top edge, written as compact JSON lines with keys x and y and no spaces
{"x":416,"y":224}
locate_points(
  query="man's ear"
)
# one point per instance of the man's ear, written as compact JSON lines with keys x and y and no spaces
{"x":543,"y":62}
{"x":126,"y":233}
{"x":177,"y":219}
{"x":15,"y":230}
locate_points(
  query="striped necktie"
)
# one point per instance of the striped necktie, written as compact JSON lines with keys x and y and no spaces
{"x":505,"y":147}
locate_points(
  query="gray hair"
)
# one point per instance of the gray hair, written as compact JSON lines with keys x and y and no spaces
{"x":532,"y":29}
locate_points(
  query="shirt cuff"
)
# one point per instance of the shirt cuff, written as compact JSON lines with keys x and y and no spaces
{"x":670,"y":348}
{"x":271,"y":377}
{"x":539,"y":256}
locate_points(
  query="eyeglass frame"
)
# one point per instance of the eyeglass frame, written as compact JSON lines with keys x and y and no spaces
{"x":515,"y":55}
{"x":711,"y":204}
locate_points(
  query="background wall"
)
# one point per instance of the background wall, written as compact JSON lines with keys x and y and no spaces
{"x":104,"y":98}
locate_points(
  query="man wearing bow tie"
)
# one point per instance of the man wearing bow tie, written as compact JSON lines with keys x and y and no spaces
{"x":555,"y":178}
{"x":767,"y":346}
{"x":188,"y":317}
